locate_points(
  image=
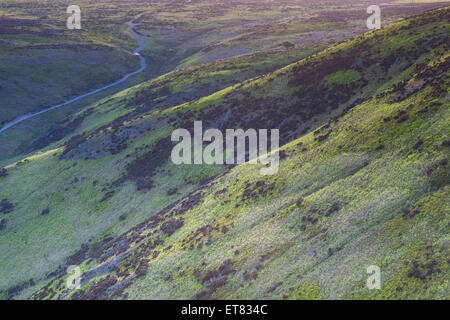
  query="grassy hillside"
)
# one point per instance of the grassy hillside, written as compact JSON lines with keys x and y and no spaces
{"x":363,"y":181}
{"x":40,"y":55}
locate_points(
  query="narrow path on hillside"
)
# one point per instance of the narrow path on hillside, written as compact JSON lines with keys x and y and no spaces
{"x":141,"y":44}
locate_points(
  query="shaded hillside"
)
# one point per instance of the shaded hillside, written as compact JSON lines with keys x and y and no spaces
{"x":365,"y":184}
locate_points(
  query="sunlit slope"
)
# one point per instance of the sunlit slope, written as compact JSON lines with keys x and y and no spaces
{"x":374,"y":192}
{"x":103,"y":183}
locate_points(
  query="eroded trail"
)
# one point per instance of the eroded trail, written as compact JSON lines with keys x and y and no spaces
{"x":141,"y":44}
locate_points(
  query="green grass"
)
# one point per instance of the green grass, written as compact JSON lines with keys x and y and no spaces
{"x":343,"y":77}
{"x":373,"y":168}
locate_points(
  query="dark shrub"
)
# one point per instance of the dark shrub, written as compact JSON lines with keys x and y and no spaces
{"x":424,"y":110}
{"x":211,"y":274}
{"x":330,"y":252}
{"x":418,"y":144}
{"x":274,"y":286}
{"x":225,"y":268}
{"x":73,"y":142}
{"x":403,"y":118}
{"x":416,"y":273}
{"x":170,"y":226}
{"x":6,"y":206}
{"x":142,"y":269}
{"x":171,"y":191}
{"x":168,"y":277}
{"x":203,"y":295}
{"x":217,"y":283}
{"x":3,"y":223}
{"x":334,"y":207}
{"x":107,"y":196}
{"x":323,"y":137}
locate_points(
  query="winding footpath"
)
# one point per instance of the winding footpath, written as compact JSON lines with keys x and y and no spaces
{"x":141,"y":44}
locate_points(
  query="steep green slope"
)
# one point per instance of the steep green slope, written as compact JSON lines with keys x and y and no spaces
{"x":242,"y":235}
{"x":311,"y":232}
{"x":169,"y":90}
